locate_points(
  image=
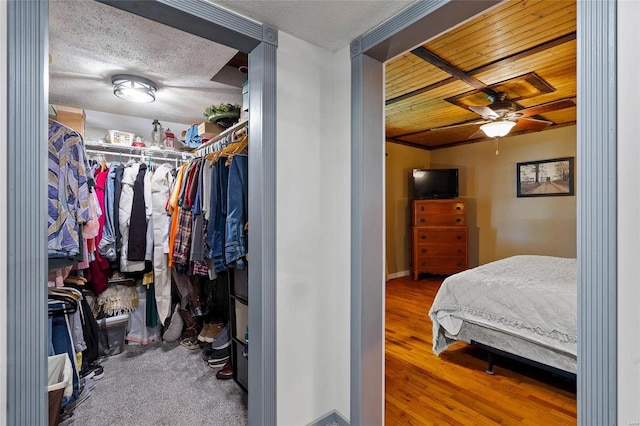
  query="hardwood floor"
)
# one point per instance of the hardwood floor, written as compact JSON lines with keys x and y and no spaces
{"x":453,"y":389}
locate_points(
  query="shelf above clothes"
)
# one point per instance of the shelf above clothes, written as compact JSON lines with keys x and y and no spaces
{"x":136,"y":152}
{"x":210,"y":145}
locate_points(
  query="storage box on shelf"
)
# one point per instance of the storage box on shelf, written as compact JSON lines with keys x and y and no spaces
{"x":73,"y":118}
{"x":208,"y":129}
{"x":120,"y":138}
{"x":439,"y":237}
{"x":116,"y":328}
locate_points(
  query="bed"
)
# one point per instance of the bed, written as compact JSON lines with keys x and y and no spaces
{"x":523,"y":306}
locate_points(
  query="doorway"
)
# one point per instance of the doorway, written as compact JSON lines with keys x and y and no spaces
{"x":26,"y":267}
{"x":421,"y":22}
{"x":440,"y":85}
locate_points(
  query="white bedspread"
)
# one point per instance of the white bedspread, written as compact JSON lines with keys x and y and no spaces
{"x":533,"y":297}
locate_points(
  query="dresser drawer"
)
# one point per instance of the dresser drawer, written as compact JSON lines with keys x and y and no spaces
{"x":441,"y":250}
{"x":441,"y":265}
{"x":440,"y":220}
{"x":438,"y":207}
{"x":449,"y":234}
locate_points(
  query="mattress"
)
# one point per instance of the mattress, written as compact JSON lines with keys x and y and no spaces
{"x":527,"y":304}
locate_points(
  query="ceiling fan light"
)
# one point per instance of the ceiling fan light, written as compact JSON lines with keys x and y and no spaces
{"x":133,"y":88}
{"x":497,"y":129}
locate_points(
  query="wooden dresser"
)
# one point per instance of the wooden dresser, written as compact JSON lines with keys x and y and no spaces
{"x":439,"y":237}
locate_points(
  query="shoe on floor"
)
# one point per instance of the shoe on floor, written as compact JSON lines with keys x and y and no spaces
{"x":87,"y":383}
{"x":98,"y":372}
{"x":176,"y":324}
{"x":209,"y":332}
{"x":218,"y":357}
{"x":84,"y":394}
{"x":190,"y":344}
{"x":226,"y":372}
{"x":223,"y":339}
{"x":207,"y":351}
{"x":87,"y":373}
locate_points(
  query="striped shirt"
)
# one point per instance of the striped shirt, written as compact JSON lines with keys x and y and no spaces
{"x":68,"y":190}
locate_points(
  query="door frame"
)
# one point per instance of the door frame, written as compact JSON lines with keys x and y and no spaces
{"x":596,"y":200}
{"x":26,"y":178}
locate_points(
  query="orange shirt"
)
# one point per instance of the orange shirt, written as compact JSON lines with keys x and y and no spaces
{"x":174,"y":210}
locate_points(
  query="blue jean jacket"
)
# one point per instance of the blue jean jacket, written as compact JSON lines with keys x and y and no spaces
{"x":215,"y":239}
{"x":237,"y":202}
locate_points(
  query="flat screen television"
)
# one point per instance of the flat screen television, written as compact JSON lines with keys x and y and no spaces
{"x":435,"y":183}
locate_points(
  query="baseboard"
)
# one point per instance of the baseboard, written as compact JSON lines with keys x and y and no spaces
{"x":332,"y":418}
{"x":399,"y":274}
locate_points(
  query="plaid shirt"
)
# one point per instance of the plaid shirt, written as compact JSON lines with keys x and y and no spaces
{"x":200,"y":268}
{"x":182,"y":245}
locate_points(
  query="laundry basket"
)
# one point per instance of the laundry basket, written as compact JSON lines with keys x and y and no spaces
{"x":59,"y":384}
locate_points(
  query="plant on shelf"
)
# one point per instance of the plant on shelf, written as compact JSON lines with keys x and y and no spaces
{"x":224,"y":115}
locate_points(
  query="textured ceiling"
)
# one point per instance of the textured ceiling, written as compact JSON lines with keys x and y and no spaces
{"x":89,"y":42}
{"x":331,"y":24}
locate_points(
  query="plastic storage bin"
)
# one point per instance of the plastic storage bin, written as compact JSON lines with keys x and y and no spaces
{"x":120,"y":138}
{"x":116,"y":328}
{"x":59,"y":384}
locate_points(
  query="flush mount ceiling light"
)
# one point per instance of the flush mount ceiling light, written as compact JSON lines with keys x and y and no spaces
{"x":497,"y":129}
{"x":133,"y":88}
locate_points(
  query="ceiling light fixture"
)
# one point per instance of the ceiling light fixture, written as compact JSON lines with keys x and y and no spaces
{"x":497,"y":129}
{"x":133,"y":88}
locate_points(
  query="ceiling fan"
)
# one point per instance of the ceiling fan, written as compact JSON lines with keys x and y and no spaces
{"x":502,"y":115}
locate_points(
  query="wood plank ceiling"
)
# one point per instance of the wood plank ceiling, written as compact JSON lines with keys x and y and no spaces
{"x":523,"y":48}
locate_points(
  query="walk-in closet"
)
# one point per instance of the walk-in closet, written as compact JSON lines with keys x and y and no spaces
{"x":148,"y":299}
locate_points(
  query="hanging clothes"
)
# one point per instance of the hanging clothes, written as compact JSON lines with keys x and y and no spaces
{"x":173,"y":209}
{"x":160,"y":183}
{"x":68,"y":191}
{"x":124,"y":216}
{"x":98,"y":274}
{"x":215,"y":232}
{"x":139,"y":332}
{"x":137,"y":241}
{"x":236,"y":233}
{"x":107,"y":244}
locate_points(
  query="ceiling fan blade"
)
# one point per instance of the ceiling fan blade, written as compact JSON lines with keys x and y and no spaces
{"x":548,"y":107}
{"x":484,"y":111}
{"x":531,"y":125}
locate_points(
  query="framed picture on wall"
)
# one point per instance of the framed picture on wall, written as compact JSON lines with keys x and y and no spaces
{"x":545,"y":178}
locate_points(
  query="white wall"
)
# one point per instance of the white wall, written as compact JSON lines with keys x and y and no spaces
{"x":628,"y":223}
{"x":3,"y":213}
{"x":313,"y":257}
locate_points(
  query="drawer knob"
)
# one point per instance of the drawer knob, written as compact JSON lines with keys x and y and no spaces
{"x":459,"y":250}
{"x":421,"y":208}
{"x":459,"y":263}
{"x":423,"y":250}
{"x":458,"y":219}
{"x":459,"y":237}
{"x":422,"y":237}
{"x":422,"y":220}
{"x":458,"y":208}
{"x":424,"y":263}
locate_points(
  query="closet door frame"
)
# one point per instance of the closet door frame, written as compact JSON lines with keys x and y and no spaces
{"x":596,"y":200}
{"x":27,"y":105}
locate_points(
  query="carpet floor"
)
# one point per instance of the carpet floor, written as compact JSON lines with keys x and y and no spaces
{"x":160,"y":384}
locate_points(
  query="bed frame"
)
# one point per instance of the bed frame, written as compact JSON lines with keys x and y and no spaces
{"x":494,"y":351}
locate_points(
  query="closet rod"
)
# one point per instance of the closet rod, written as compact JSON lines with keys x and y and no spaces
{"x":140,"y":156}
{"x":202,"y":149}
